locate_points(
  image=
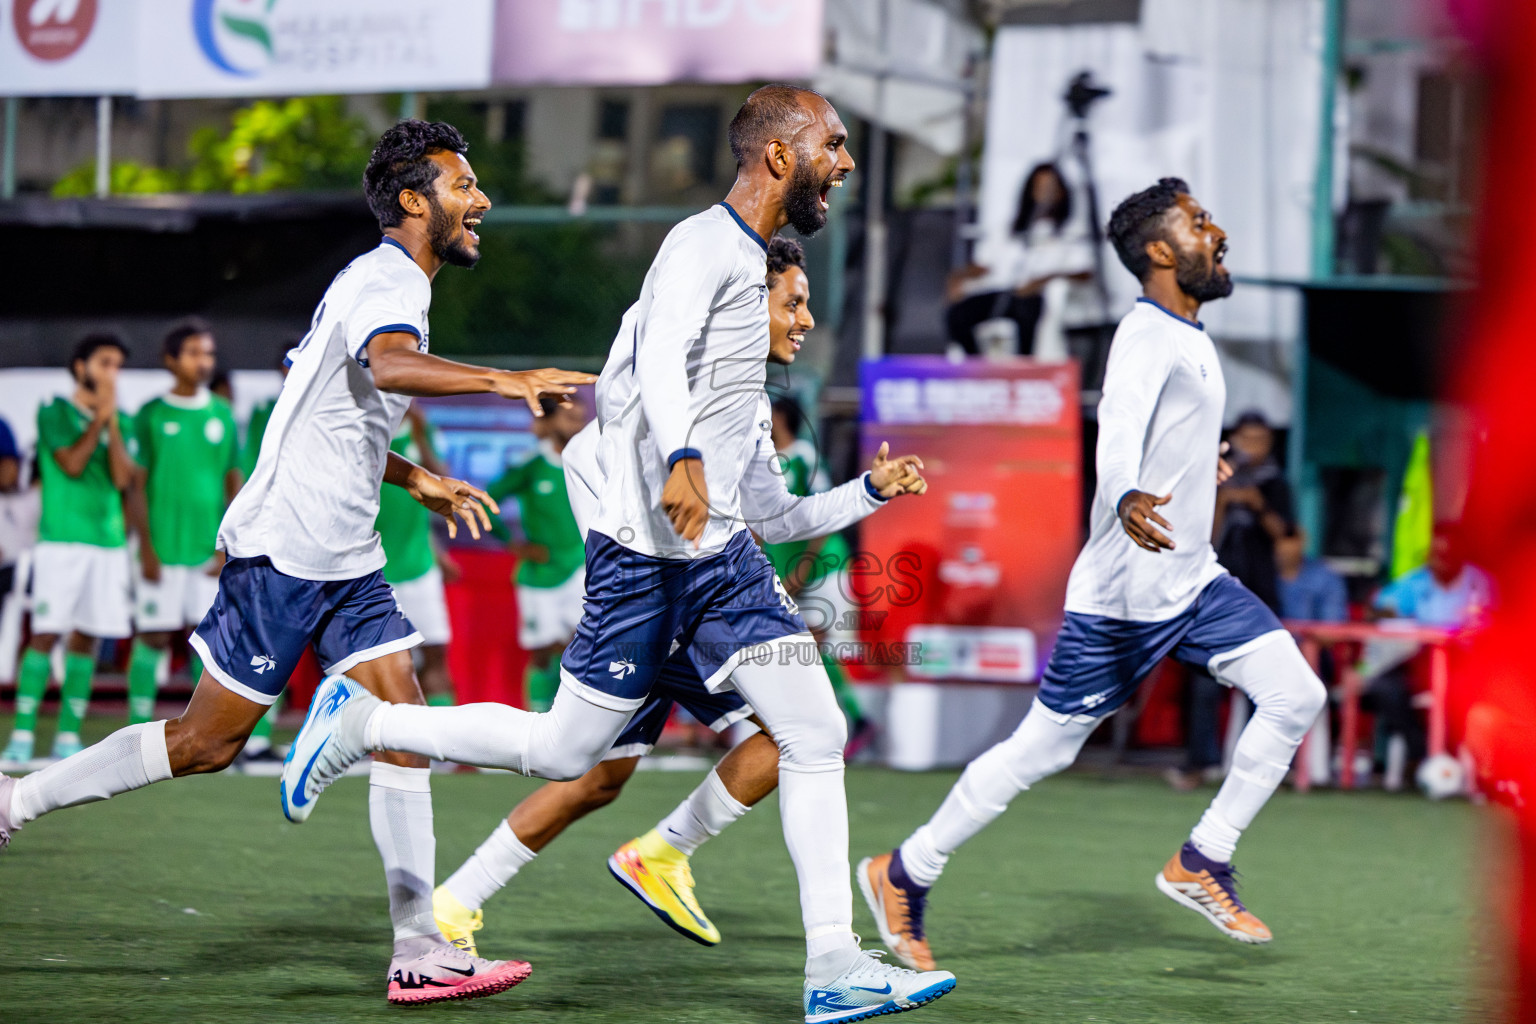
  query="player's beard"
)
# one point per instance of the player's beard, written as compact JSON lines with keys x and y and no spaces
{"x":802,"y":199}
{"x":443,"y":235}
{"x":1202,"y":282}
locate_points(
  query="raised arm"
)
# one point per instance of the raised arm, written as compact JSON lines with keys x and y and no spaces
{"x":399,"y":367}
{"x":777,"y":515}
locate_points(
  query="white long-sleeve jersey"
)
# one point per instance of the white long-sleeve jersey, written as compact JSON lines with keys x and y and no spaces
{"x":1159,"y":432}
{"x":770,"y":510}
{"x":684,"y":377}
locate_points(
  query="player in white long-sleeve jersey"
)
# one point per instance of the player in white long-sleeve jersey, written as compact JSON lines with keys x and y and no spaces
{"x":671,"y":565}
{"x":1147,"y":585}
{"x":304,"y":559}
{"x":656,"y":866}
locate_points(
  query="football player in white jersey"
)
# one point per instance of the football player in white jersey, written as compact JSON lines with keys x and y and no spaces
{"x":671,"y":565}
{"x":655,"y":866}
{"x":1146,"y":585}
{"x":304,"y":560}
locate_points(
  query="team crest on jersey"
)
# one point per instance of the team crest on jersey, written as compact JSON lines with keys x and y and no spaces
{"x":213,"y":430}
{"x":171,"y":428}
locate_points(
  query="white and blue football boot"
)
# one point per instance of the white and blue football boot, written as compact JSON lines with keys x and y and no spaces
{"x":871,"y":987}
{"x":329,"y":742}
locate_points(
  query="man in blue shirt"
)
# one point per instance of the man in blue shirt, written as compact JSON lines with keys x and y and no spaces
{"x":1307,"y":588}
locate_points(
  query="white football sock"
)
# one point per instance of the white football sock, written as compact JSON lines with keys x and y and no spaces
{"x":706,"y":813}
{"x":1287,"y":697}
{"x":490,"y":867}
{"x":1044,"y":743}
{"x":796,"y":702}
{"x":130,"y":758}
{"x":400,"y":814}
{"x":561,"y":743}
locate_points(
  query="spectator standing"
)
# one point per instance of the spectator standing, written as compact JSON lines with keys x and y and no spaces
{"x":80,"y":568}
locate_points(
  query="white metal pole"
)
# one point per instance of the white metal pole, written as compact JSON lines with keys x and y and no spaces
{"x":874,"y":206}
{"x":103,"y":146}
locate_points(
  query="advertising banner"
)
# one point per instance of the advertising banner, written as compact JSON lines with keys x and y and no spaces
{"x":67,"y":47}
{"x":296,"y":47}
{"x":966,"y":582}
{"x":650,"y":42}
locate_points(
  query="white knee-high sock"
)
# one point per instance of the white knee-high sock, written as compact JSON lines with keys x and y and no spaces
{"x":705,"y":814}
{"x":490,"y":867}
{"x":1044,"y":743}
{"x":561,"y":743}
{"x":400,"y":813}
{"x":795,"y":701}
{"x":1287,"y":697}
{"x":130,"y":758}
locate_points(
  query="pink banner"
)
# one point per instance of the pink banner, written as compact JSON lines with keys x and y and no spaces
{"x":651,"y":42}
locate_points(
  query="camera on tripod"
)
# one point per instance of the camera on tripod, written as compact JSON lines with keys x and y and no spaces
{"x":1082,"y":93}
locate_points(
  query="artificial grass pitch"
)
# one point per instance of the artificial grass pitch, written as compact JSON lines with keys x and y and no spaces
{"x":194,"y":901}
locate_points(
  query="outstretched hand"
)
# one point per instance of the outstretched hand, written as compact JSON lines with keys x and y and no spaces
{"x":1138,"y":511}
{"x":452,"y":498}
{"x":531,"y":385}
{"x":901,"y":475}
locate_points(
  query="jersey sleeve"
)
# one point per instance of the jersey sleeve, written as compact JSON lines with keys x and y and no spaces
{"x":688,"y":277}
{"x":511,"y":482}
{"x":1139,"y":365}
{"x":141,"y":440}
{"x":54,"y":429}
{"x":387,"y":303}
{"x":778,"y":516}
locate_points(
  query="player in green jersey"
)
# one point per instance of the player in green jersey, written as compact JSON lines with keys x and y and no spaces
{"x":415,"y":568}
{"x":814,"y":571}
{"x":256,"y":426}
{"x":551,"y":567}
{"x":188,"y":452}
{"x":80,"y":566}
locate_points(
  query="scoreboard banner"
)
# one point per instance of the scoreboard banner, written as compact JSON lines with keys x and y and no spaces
{"x":979,"y":564}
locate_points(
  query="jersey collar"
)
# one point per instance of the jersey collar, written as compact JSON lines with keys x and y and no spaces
{"x":197,"y":401}
{"x":390,"y":241}
{"x":743,"y":225}
{"x":1196,"y":324}
{"x":547,"y":449}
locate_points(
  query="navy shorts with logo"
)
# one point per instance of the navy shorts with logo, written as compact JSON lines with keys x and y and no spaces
{"x":679,"y":684}
{"x":640,"y":610}
{"x":1098,"y":661}
{"x":252,"y":638}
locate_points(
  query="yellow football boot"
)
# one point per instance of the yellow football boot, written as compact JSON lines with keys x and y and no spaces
{"x":658,"y":874}
{"x":456,"y":921}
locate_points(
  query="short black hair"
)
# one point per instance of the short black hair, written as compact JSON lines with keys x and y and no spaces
{"x":771,"y":112}
{"x":1139,"y":220}
{"x":794,"y":416}
{"x":87,"y":346}
{"x":177,"y":336}
{"x":1252,"y":418}
{"x":783,"y":253}
{"x":400,"y":161}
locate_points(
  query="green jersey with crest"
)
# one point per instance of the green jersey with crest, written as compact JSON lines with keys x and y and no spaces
{"x":254,"y":432}
{"x":803,"y":477}
{"x":187,"y":445}
{"x":86,"y":509}
{"x":405,"y":524}
{"x":538,"y":484}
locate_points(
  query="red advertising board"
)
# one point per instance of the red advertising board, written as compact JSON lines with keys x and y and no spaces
{"x":970,"y":577}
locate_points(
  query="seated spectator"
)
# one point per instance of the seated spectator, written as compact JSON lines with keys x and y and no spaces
{"x":1307,"y":588}
{"x":1253,"y":508}
{"x":1447,"y":592}
{"x":1044,"y":246}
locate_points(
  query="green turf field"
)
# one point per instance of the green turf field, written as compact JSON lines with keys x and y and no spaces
{"x":195,"y":902}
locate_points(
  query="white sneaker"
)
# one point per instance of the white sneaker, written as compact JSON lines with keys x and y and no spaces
{"x":872,"y":987}
{"x":329,"y":742}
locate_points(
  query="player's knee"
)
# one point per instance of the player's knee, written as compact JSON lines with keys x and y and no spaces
{"x":1306,"y":700}
{"x":562,"y":764}
{"x":813,"y":745}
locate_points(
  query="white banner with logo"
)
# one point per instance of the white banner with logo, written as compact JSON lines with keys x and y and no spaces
{"x":293,"y":47}
{"x":67,"y":47}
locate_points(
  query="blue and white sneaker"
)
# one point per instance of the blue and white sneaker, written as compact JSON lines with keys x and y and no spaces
{"x":871,"y":988}
{"x":329,"y":742}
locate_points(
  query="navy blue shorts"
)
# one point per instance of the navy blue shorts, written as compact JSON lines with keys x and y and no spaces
{"x":639,"y":610}
{"x":254,"y":635}
{"x":679,"y":684}
{"x":1098,"y":662}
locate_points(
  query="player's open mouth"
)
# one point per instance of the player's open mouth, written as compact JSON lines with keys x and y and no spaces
{"x":796,"y":338}
{"x":826,"y":187}
{"x":1221,"y":253}
{"x":470,"y":223}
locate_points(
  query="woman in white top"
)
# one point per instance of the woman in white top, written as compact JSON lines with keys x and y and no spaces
{"x":1042,"y":248}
